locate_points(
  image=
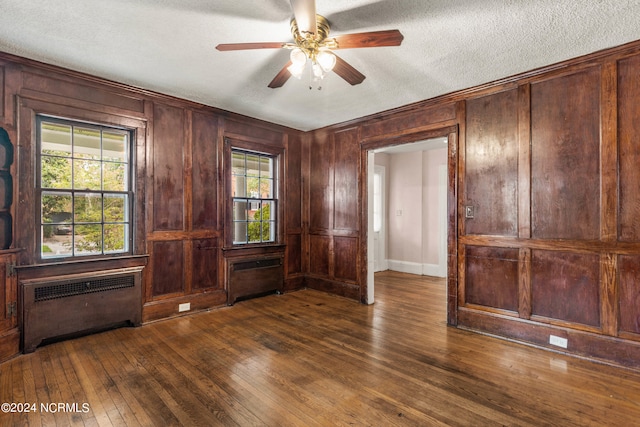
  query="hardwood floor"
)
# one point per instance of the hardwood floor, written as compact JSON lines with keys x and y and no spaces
{"x":307,"y":358}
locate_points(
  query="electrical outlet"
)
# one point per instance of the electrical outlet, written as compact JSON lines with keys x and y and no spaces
{"x":184,"y":307}
{"x":558,"y":341}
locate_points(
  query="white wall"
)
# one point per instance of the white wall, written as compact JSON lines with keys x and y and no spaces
{"x":415,"y":208}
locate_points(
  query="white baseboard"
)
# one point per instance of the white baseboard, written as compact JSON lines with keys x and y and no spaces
{"x":434,"y":270}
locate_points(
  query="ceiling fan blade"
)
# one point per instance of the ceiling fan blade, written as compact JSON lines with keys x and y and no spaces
{"x":245,"y":46}
{"x":370,"y":39}
{"x":281,"y":78}
{"x":347,"y":72}
{"x":305,"y":13}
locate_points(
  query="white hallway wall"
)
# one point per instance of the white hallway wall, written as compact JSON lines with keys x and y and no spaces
{"x":414,"y":211}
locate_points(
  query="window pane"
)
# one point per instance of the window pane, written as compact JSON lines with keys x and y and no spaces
{"x":56,"y":207}
{"x":253,"y":165}
{"x":115,"y":208}
{"x":239,"y":186}
{"x":268,"y":211}
{"x":114,"y":176}
{"x":266,"y":188}
{"x":239,"y":232}
{"x":253,"y":187}
{"x":86,"y":143}
{"x":237,"y":164}
{"x":55,"y":139}
{"x":55,"y":172}
{"x":86,"y":175}
{"x":266,"y":167}
{"x":115,"y":146}
{"x":254,"y":231}
{"x":88,"y":239}
{"x":269,"y":231}
{"x":239,"y":210}
{"x":54,"y":244}
{"x":115,"y":238}
{"x":87,"y":207}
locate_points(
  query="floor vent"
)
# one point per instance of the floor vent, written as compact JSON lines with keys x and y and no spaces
{"x":71,"y":305}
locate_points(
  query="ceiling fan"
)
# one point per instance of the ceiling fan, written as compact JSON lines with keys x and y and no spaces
{"x":313,"y":44}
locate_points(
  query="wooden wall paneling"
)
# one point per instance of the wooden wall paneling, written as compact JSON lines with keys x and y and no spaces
{"x":629,"y":295}
{"x":609,"y":153}
{"x":293,"y":184}
{"x":346,"y":168}
{"x":187,"y":175}
{"x":628,"y":108}
{"x":491,"y":278}
{"x":24,"y":222}
{"x":524,"y":161}
{"x":204,"y":264}
{"x":167,"y":262}
{"x":565,"y":186}
{"x":408,"y":122}
{"x":566,"y":286}
{"x":524,"y":283}
{"x":320,"y":255}
{"x":254,"y":129}
{"x":345,"y":259}
{"x":3,"y":98}
{"x":452,"y":229}
{"x":205,"y":209}
{"x":168,"y":168}
{"x":491,"y":164}
{"x":609,"y":293}
{"x":321,"y":182}
{"x":293,"y":255}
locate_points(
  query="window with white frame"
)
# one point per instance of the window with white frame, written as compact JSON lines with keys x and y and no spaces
{"x":254,"y":189}
{"x":83,"y":188}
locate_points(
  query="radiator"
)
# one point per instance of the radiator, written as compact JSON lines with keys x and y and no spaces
{"x":250,"y":277}
{"x":76,"y":304}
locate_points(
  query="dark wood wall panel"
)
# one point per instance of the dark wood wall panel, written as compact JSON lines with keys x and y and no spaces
{"x":319,"y":249}
{"x":565,"y":151}
{"x":346,"y":250}
{"x":416,"y":119}
{"x":294,"y":186}
{"x":629,"y":154}
{"x":491,"y":167}
{"x":253,"y":131}
{"x":168,"y":179}
{"x":347,"y":155}
{"x":204,"y":264}
{"x":204,"y":171}
{"x":320,"y":185}
{"x":168,"y":268}
{"x":294,"y":254}
{"x":491,"y":277}
{"x":629,"y":293}
{"x":2,"y":91}
{"x":565,"y":286}
{"x":75,"y":90}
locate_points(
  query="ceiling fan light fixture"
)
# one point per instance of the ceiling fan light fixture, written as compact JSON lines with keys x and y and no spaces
{"x":298,"y":57}
{"x":326,"y":60}
{"x":296,"y":69}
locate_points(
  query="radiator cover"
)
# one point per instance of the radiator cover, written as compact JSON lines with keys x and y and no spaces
{"x":254,"y":276}
{"x":75,"y":304}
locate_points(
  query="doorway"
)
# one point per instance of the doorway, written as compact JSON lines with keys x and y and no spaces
{"x":407,"y":209}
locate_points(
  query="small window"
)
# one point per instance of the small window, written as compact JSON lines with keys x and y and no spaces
{"x":84,"y":189}
{"x":254,"y":186}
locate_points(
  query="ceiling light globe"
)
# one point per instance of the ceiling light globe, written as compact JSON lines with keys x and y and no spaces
{"x":326,"y":59}
{"x":298,"y":57}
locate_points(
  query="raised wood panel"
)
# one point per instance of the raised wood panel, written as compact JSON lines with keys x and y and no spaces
{"x":168,"y":179}
{"x":491,"y":277}
{"x":2,"y":91}
{"x":76,"y":90}
{"x":253,"y":132}
{"x":204,"y":268}
{"x":167,"y":263}
{"x":565,"y":286}
{"x":320,"y":185}
{"x":401,"y":123}
{"x":629,"y":146}
{"x":293,"y":206}
{"x":319,"y":254}
{"x":347,"y":155}
{"x":294,"y":254}
{"x":491,"y":165}
{"x":565,"y":156}
{"x":345,"y":253}
{"x":629,"y":293}
{"x":204,"y":171}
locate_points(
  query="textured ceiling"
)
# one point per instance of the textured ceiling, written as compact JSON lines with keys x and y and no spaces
{"x":168,"y":46}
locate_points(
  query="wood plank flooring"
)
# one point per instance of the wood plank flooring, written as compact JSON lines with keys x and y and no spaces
{"x":311,"y":359}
